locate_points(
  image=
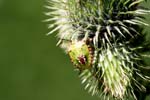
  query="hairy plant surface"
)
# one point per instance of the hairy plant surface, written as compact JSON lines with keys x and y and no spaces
{"x":106,"y":44}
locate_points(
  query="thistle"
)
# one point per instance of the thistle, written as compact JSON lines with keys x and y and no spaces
{"x":106,"y":44}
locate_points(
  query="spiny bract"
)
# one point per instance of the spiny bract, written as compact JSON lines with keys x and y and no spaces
{"x":106,"y":42}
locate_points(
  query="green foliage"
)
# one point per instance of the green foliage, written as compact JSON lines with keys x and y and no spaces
{"x":114,"y":31}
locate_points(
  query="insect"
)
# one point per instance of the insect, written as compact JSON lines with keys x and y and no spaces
{"x":81,"y":54}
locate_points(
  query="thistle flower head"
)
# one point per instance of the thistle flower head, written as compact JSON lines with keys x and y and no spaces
{"x":105,"y":41}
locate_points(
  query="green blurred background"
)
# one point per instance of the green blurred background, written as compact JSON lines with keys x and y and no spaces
{"x":31,"y":66}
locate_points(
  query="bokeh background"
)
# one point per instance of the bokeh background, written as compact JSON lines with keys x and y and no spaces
{"x":31,"y":66}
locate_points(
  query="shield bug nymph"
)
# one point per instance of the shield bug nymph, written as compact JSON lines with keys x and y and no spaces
{"x":81,"y":54}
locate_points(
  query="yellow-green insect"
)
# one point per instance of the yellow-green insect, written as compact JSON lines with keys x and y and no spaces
{"x":81,"y":54}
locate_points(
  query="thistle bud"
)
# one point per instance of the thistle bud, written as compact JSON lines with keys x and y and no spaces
{"x":105,"y":41}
